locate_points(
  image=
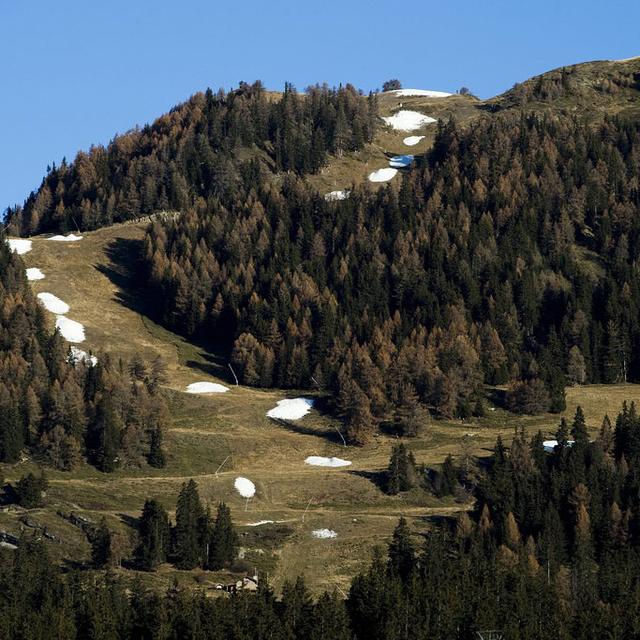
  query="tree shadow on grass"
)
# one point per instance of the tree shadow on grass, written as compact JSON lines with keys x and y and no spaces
{"x":126,"y":271}
{"x":330,"y":435}
{"x":130,"y":521}
{"x":378,"y":478}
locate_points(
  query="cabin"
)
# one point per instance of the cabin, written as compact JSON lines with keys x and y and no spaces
{"x":246,"y":584}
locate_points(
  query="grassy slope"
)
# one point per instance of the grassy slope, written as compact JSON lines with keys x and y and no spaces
{"x":208,"y":429}
{"x":94,"y":277}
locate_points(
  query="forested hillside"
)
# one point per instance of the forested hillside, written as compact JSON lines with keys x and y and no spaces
{"x":551,"y":553}
{"x":510,"y":255}
{"x":190,"y":153}
{"x":63,"y":411}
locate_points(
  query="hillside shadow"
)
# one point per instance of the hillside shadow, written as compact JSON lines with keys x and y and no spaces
{"x":213,"y":365}
{"x":378,"y":478}
{"x":126,"y":271}
{"x":130,"y":521}
{"x":330,"y":435}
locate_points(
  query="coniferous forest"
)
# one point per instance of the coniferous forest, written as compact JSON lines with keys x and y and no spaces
{"x":64,"y":411}
{"x":510,"y":255}
{"x":551,"y":551}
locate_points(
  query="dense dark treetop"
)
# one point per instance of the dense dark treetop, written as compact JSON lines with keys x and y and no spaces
{"x":189,"y":154}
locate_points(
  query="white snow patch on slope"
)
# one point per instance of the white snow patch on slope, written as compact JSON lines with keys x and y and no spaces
{"x":245,"y":487}
{"x":70,"y":330}
{"x":53,"y":303}
{"x":337,"y":195}
{"x":33,"y":273}
{"x":324,"y":533}
{"x":206,"y":387}
{"x":320,"y":461}
{"x":76,"y":356}
{"x":411,"y":141}
{"x":291,"y":409}
{"x":408,"y":120}
{"x":261,"y":522}
{"x":401,"y":162}
{"x":382,"y":175}
{"x":406,"y":93}
{"x":550,"y":445}
{"x":19,"y":245}
{"x":70,"y":238}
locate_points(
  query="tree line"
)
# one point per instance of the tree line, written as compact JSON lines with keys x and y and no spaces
{"x":63,"y":411}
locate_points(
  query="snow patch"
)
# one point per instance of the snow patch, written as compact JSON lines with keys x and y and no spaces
{"x":245,"y":487}
{"x":337,"y":195}
{"x":53,"y":303}
{"x":76,"y":356}
{"x":19,"y":245}
{"x":408,"y":120}
{"x":70,"y":330}
{"x":320,"y":461}
{"x":261,"y":522}
{"x":382,"y":175}
{"x":34,"y":273}
{"x":412,"y":141}
{"x":550,"y":445}
{"x":206,"y":387}
{"x":70,"y":238}
{"x":324,"y":533}
{"x":426,"y":93}
{"x":401,"y":162}
{"x":291,"y":409}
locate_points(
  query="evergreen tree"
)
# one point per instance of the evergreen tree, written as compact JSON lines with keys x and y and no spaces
{"x":100,"y":539}
{"x":189,"y":541}
{"x":156,"y":457}
{"x":401,"y":473}
{"x":223,"y":545}
{"x":401,"y":551}
{"x":29,"y":490}
{"x":154,"y":536}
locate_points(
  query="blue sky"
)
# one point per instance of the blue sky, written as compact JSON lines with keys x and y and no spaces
{"x":73,"y":73}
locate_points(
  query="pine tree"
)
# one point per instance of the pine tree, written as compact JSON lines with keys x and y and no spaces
{"x":29,"y":490}
{"x":223,"y":543}
{"x":154,"y":535}
{"x":189,"y":543}
{"x":156,"y":457}
{"x":105,"y":436}
{"x":401,"y":473}
{"x":449,"y":477}
{"x":11,"y":433}
{"x":101,"y":544}
{"x":297,"y":609}
{"x":407,"y":414}
{"x":401,"y":551}
{"x":579,"y":428}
